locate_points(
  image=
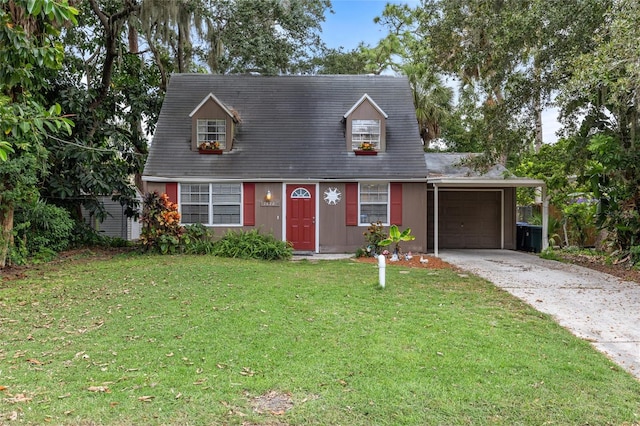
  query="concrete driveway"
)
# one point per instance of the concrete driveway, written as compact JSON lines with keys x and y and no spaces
{"x":598,"y":307}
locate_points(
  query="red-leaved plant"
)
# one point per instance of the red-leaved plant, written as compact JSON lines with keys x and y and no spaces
{"x":161,"y":229}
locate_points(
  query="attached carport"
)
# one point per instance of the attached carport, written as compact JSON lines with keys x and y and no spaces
{"x":471,"y":210}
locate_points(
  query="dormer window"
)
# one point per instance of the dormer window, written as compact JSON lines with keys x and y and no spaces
{"x":365,"y":127}
{"x":365,"y":134}
{"x":212,"y":131}
{"x":213,"y":126}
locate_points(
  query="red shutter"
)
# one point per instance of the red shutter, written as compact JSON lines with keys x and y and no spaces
{"x":249,"y":207}
{"x":171,"y":189}
{"x":351,"y":201}
{"x":396,"y":204}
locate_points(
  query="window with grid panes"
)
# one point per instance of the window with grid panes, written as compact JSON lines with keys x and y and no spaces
{"x":365,"y":131}
{"x":211,"y":204}
{"x":212,"y":131}
{"x":374,"y":203}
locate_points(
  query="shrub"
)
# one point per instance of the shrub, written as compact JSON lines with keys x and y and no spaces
{"x":372,"y":237}
{"x":42,"y":227}
{"x":252,"y":245}
{"x":634,"y":254}
{"x":197,"y":239}
{"x":161,"y":229}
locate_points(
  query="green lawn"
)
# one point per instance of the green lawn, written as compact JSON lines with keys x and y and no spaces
{"x":195,"y":340}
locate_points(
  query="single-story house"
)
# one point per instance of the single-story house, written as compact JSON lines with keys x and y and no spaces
{"x":315,"y":160}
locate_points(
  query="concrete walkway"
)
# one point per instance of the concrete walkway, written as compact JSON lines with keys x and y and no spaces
{"x":598,"y":307}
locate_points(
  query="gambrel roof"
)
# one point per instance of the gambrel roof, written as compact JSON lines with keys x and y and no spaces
{"x":292,"y":127}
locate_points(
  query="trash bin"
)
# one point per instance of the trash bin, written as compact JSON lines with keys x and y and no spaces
{"x":535,"y":238}
{"x":528,"y":237}
{"x":520,"y":235}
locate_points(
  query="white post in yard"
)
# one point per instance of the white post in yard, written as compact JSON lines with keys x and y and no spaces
{"x":382,"y":270}
{"x":436,"y":219}
{"x":545,"y":219}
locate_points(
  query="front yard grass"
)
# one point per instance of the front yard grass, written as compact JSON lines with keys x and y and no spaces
{"x":199,"y":340}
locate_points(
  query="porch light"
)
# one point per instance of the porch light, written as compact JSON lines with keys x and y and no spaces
{"x":267,"y":196}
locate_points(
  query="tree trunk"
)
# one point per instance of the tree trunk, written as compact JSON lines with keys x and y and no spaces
{"x":538,"y":112}
{"x":6,"y":234}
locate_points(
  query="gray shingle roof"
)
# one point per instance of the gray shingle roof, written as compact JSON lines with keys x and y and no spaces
{"x":291,"y":129}
{"x":451,"y":164}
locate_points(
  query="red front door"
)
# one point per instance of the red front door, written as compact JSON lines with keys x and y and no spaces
{"x":301,"y":217}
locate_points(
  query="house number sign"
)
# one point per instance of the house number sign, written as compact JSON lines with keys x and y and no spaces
{"x":332,"y":196}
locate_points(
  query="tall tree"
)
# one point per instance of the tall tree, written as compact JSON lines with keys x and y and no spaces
{"x":337,"y":61}
{"x":404,"y":50}
{"x":113,"y":92}
{"x":29,"y":48}
{"x":601,"y":103}
{"x":509,"y":56}
{"x":118,"y":63}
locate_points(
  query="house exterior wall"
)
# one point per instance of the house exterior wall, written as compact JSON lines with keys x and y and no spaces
{"x":334,"y":235}
{"x":414,"y":200}
{"x":160,"y":187}
{"x":269,"y":213}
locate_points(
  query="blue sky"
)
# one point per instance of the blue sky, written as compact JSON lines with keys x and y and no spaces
{"x":352,"y":22}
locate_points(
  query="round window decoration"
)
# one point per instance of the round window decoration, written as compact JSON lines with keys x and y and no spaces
{"x":332,"y":196}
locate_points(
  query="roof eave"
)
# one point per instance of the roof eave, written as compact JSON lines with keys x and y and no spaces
{"x":195,"y":179}
{"x":485,"y":182}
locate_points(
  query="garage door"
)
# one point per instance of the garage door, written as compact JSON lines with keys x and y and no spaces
{"x":470,"y":219}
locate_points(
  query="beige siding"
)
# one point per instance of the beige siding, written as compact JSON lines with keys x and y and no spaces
{"x":269,"y":215}
{"x":155,"y":186}
{"x":336,"y":237}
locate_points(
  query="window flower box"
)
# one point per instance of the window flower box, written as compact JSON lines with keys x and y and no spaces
{"x":366,"y":148}
{"x":212,"y":148}
{"x":210,"y":151}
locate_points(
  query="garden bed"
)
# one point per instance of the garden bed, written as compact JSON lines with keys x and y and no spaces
{"x":432,"y":262}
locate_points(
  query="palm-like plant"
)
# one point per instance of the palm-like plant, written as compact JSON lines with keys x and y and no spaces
{"x":395,"y":237}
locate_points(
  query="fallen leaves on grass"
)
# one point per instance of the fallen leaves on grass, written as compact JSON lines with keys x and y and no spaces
{"x":98,"y":389}
{"x":146,"y":398}
{"x":18,"y":398}
{"x":246,"y":371}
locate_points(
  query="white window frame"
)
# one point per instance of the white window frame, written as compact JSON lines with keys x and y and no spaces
{"x":370,"y":135}
{"x":219,"y":133}
{"x":212,"y":202}
{"x":360,"y":203}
